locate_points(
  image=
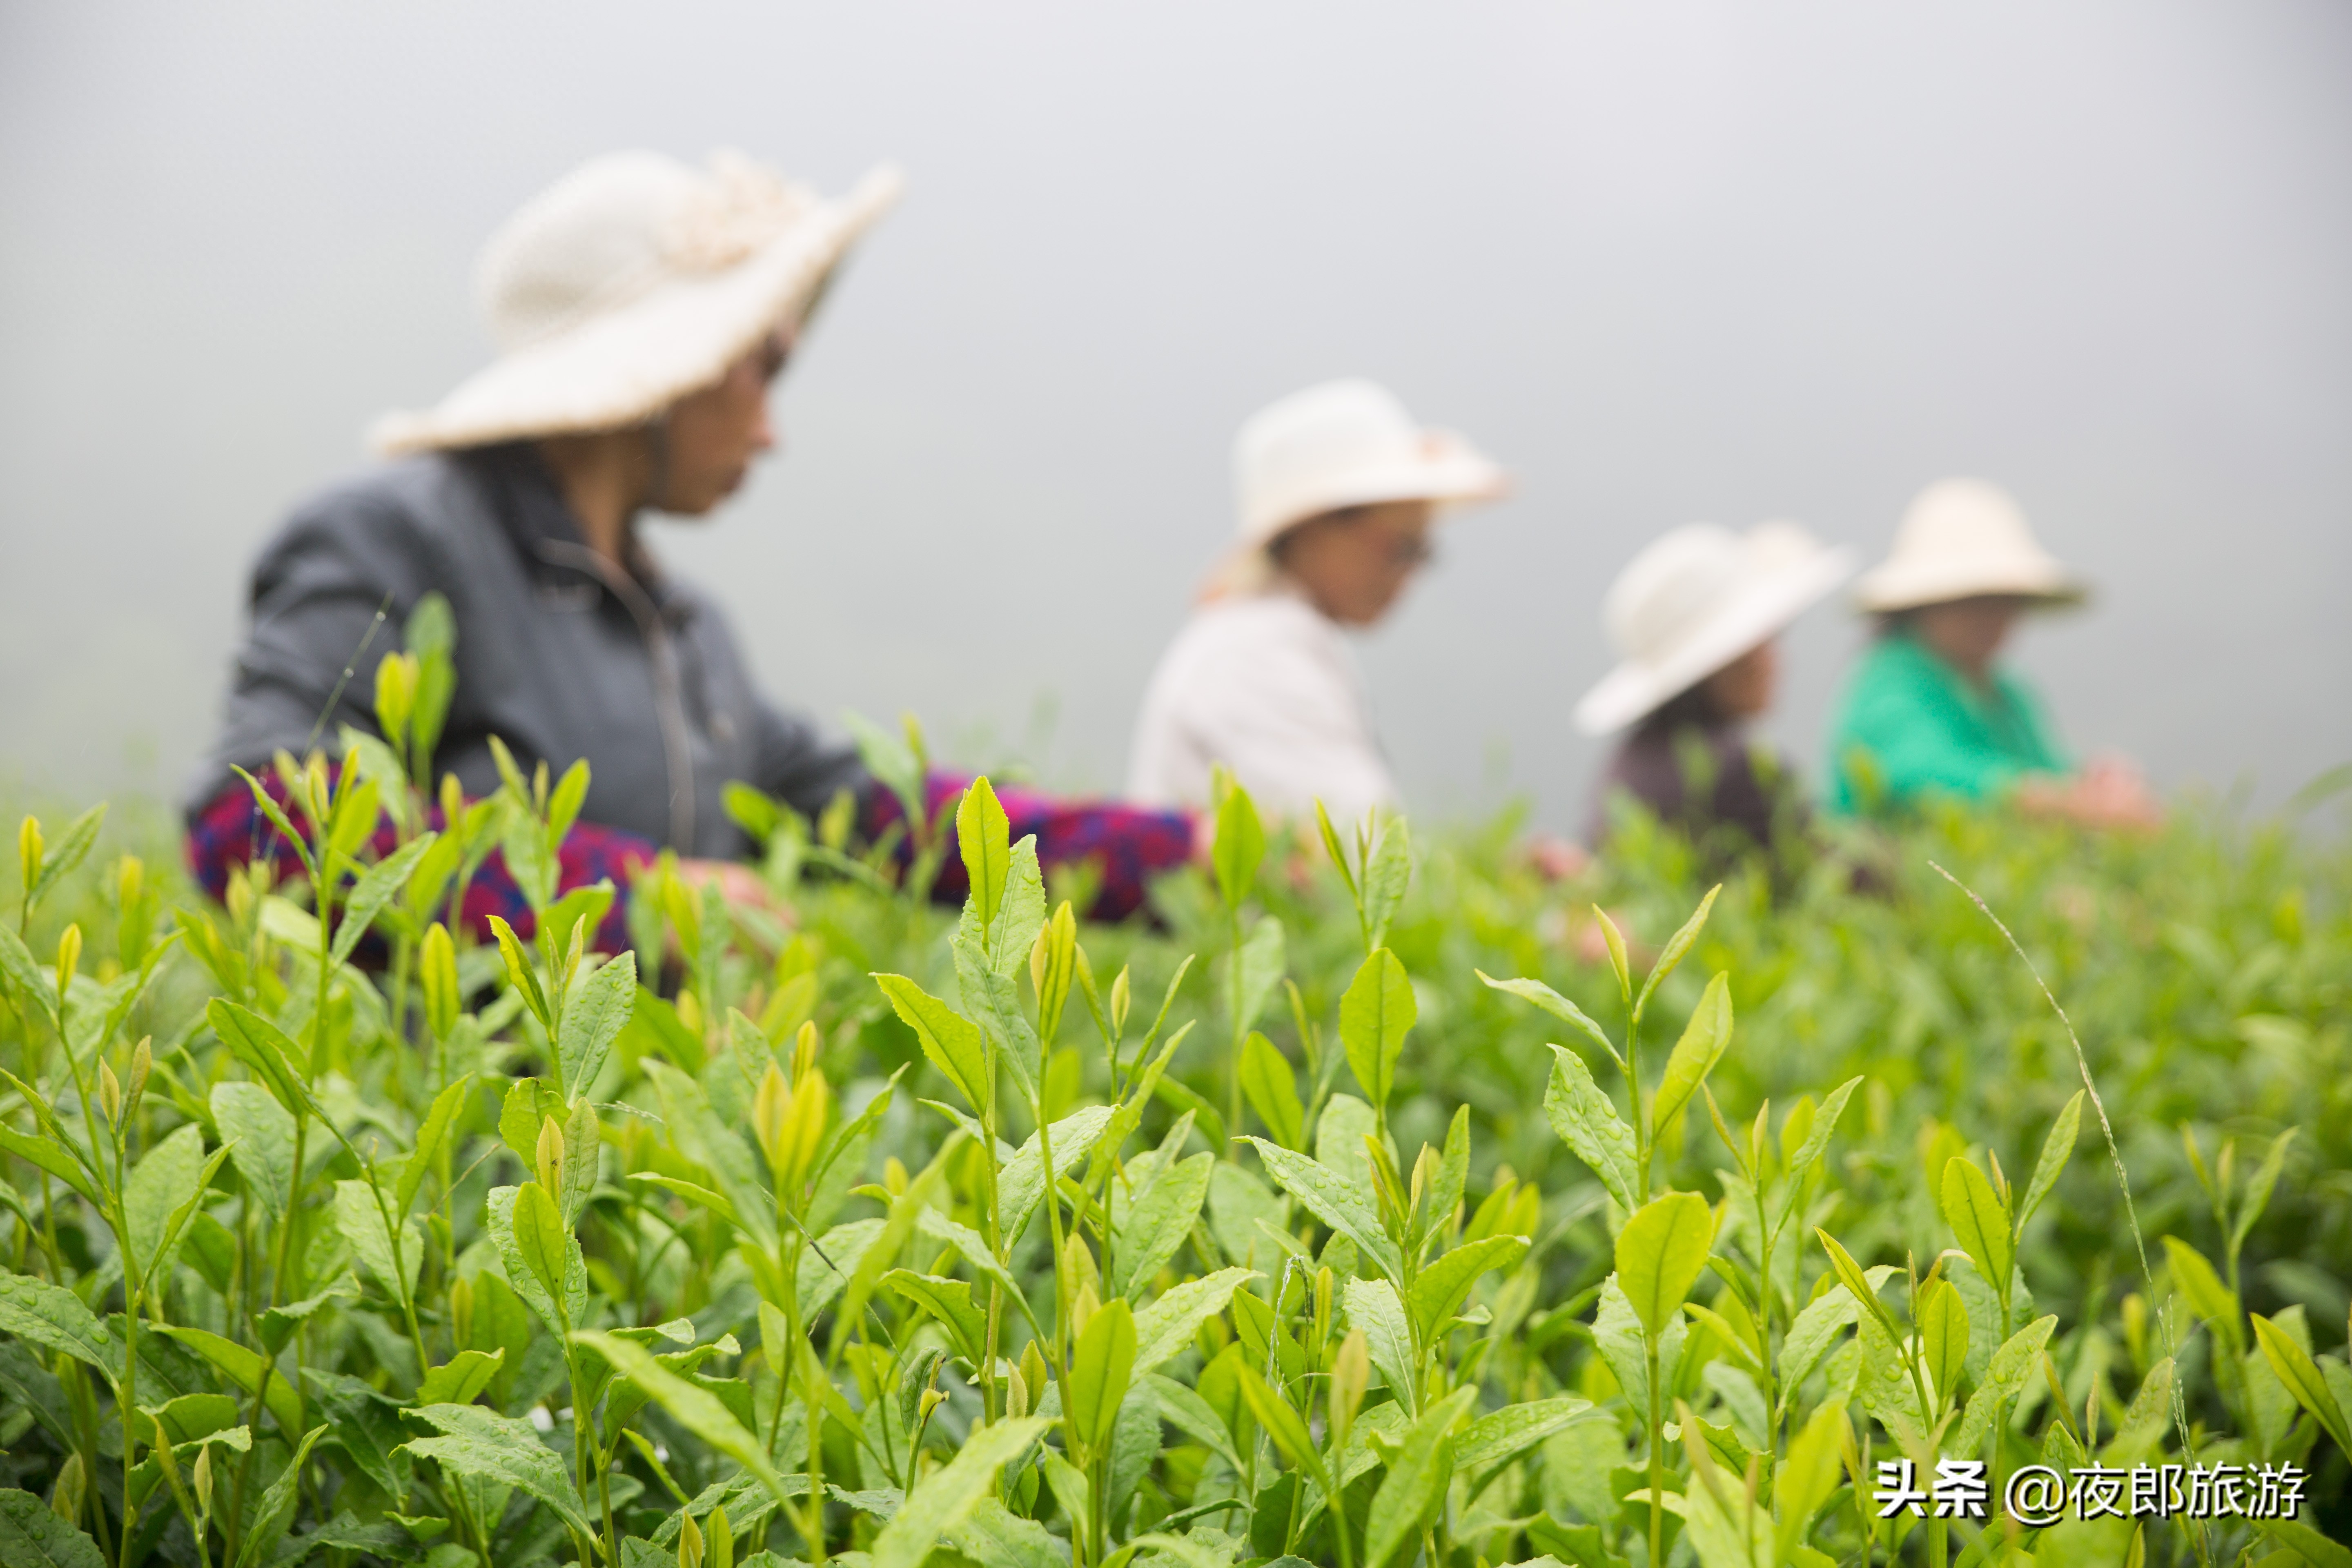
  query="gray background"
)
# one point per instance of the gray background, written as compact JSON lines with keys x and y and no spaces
{"x":1670,"y":261}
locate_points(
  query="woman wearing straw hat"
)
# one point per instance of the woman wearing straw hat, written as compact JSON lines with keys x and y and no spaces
{"x":1696,"y":616}
{"x":1928,"y":712}
{"x":642,"y":307}
{"x":1338,"y":489}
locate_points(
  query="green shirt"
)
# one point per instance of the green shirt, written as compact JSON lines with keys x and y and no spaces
{"x":1911,"y":725}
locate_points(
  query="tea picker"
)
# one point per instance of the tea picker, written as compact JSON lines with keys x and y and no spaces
{"x":642,"y":307}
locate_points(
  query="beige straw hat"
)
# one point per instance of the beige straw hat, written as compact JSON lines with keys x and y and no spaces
{"x":1696,"y":600}
{"x":1340,"y":444}
{"x":633,"y":281}
{"x":1960,"y":538}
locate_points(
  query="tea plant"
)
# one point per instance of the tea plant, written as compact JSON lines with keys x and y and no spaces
{"x":881,"y":1237}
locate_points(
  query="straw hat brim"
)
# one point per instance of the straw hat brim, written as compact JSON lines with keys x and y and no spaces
{"x":1636,"y":689}
{"x":1460,"y":478}
{"x":1900,"y":584}
{"x":625,"y":365}
{"x":1452,"y":475}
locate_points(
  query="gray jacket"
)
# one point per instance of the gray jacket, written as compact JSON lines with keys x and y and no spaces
{"x":559,"y":654}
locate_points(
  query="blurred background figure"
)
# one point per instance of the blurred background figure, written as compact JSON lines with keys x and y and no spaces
{"x":1695,"y":617}
{"x":1928,"y":711}
{"x":1338,"y":489}
{"x":642,"y":308}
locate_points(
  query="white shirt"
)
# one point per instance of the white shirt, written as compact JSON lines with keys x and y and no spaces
{"x":1266,"y":686}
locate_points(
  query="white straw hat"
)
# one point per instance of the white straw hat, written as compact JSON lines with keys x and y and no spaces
{"x":1697,"y":599}
{"x":1342,"y":444}
{"x":1959,"y":538}
{"x":633,"y":281}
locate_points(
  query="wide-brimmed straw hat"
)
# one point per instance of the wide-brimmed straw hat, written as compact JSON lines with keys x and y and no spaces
{"x":1342,"y":444}
{"x":633,"y":281}
{"x":1697,"y":599}
{"x":1960,"y":538}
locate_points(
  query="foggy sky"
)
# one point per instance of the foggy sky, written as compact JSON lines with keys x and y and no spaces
{"x":1669,"y":262}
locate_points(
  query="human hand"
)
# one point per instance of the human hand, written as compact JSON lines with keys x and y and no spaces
{"x":1558,"y":859}
{"x":737,"y":883}
{"x":2110,"y":793}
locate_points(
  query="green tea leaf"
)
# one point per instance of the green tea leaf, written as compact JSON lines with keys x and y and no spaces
{"x":1439,"y":1290}
{"x":690,"y":1405}
{"x":1331,"y":1199}
{"x":584,"y":1149}
{"x":1808,"y":1153}
{"x":32,"y":1535}
{"x":276,"y":1061}
{"x":446,"y":1105}
{"x":1168,"y":1323}
{"x":1558,"y":1005}
{"x":972,"y":1248}
{"x":1374,"y":1016}
{"x":1415,"y":1482}
{"x":1588,"y":1122}
{"x":527,"y":1105}
{"x":466,"y":1374}
{"x":1385,"y":878}
{"x":363,"y":1226}
{"x":1726,"y":1523}
{"x":1695,"y":1054}
{"x":1677,"y":946}
{"x":1185,"y":1410}
{"x":1444,"y":1199}
{"x":276,"y":1509}
{"x":243,"y":1367}
{"x":2258,"y":1191}
{"x":68,"y":852}
{"x":377,"y":886}
{"x":159,"y":1183}
{"x":2300,"y":1373}
{"x":952,"y":1041}
{"x":1372,"y":1306}
{"x":1240,"y":845}
{"x":594,"y":1016}
{"x":1282,"y":1425}
{"x":1257,"y":971}
{"x":1883,"y":1384}
{"x":945,"y":1498}
{"x":2194,"y":1277}
{"x":1861,"y":1286}
{"x":518,"y":970}
{"x":1943,"y":1321}
{"x":1803,"y":1480}
{"x":29,"y":984}
{"x":1021,"y":1186}
{"x":2306,"y":1543}
{"x":43,"y":1314}
{"x":983,"y":837}
{"x":1979,"y":1220}
{"x":1156,"y":1223}
{"x":1817,"y":1326}
{"x":493,"y":1448}
{"x":2056,"y":1151}
{"x":1660,"y":1254}
{"x":2017,"y":1360}
{"x":1101,"y":1367}
{"x":52,"y":1157}
{"x":523,"y":1271}
{"x":1339,"y":1134}
{"x":950,"y":1302}
{"x":1497,"y":1437}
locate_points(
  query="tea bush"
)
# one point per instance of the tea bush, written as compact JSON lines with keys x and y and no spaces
{"x":1348,"y":1215}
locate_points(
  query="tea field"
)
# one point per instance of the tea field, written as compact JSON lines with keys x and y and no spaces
{"x":1379,"y":1202}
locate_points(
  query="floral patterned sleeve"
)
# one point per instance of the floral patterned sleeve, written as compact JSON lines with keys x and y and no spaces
{"x":230,"y":831}
{"x":1128,"y":843}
